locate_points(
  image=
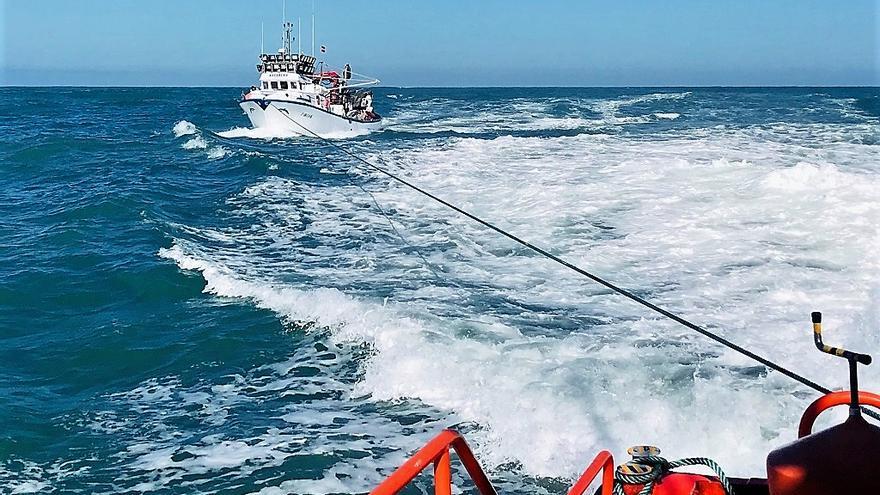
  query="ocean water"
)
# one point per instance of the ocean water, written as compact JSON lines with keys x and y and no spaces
{"x":189,"y":306}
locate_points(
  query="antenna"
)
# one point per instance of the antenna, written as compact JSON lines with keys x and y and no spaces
{"x":262,"y":43}
{"x":286,"y":42}
{"x":285,"y":31}
{"x":313,"y":28}
{"x":299,"y":35}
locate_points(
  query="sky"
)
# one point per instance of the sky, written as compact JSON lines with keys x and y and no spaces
{"x":449,"y":42}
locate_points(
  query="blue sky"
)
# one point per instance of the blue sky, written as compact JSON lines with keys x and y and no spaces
{"x":450,"y":42}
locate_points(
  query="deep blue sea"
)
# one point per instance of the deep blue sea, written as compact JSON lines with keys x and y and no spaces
{"x":189,"y":306}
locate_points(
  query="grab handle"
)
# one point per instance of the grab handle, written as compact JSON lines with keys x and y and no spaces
{"x":834,"y":351}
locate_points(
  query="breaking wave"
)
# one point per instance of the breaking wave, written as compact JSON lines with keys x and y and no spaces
{"x":183,"y":128}
{"x":197,"y":141}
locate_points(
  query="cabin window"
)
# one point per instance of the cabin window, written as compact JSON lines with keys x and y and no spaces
{"x":274,"y":84}
{"x":265,"y":85}
{"x":283,"y":84}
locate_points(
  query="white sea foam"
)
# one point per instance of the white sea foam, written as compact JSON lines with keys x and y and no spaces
{"x":718,"y":227}
{"x":259,"y":133}
{"x":441,"y":115}
{"x":745,"y":230}
{"x":155,"y":457}
{"x":217,"y":152}
{"x":196,"y":143}
{"x":31,"y":477}
{"x":183,"y":128}
{"x":28,"y":486}
{"x":269,"y":133}
{"x":610,"y":108}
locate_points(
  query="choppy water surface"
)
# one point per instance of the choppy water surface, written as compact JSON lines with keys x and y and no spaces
{"x":188,"y":306}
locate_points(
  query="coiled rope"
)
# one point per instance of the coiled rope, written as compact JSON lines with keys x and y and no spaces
{"x":659,"y":467}
{"x":595,"y":278}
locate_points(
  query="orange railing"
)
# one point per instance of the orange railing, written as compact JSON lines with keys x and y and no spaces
{"x":831,"y":400}
{"x":437,"y":452}
{"x":603,"y":462}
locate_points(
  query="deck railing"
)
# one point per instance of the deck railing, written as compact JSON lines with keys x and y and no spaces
{"x":603,"y":462}
{"x":437,"y":452}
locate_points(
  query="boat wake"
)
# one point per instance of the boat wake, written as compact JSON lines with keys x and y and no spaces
{"x":266,"y":133}
{"x":537,"y":114}
{"x":270,"y":133}
{"x":525,"y":344}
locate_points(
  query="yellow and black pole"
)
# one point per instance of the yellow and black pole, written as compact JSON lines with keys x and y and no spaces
{"x":852,"y":357}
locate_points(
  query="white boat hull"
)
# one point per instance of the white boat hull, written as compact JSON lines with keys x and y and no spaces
{"x":299,"y":118}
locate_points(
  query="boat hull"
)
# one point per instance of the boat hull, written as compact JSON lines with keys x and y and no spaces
{"x":299,"y":118}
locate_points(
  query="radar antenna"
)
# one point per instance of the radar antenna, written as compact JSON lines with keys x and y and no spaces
{"x":287,"y":29}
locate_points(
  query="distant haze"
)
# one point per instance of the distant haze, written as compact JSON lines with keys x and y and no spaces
{"x":448,"y":43}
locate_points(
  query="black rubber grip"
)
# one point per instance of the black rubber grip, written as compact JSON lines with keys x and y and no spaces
{"x":817,"y":317}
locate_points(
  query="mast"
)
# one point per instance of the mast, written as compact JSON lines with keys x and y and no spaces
{"x":287,"y":27}
{"x":262,"y":38}
{"x":299,"y":40}
{"x":313,"y":28}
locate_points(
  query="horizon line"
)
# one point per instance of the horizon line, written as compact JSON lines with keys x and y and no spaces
{"x":670,"y":86}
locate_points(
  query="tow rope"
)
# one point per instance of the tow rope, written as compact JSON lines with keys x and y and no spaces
{"x":595,"y":278}
{"x":648,"y":469}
